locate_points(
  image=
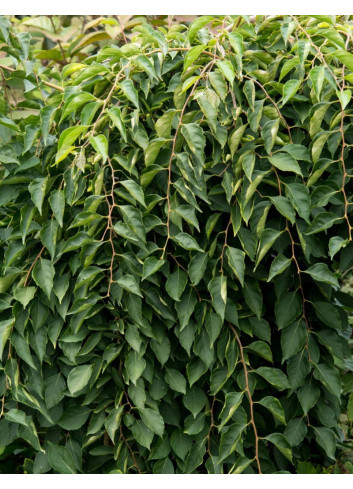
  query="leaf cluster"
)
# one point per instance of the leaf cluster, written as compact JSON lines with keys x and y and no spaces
{"x":174,"y":216}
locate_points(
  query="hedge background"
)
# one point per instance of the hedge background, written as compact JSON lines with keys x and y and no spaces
{"x":175,"y":221}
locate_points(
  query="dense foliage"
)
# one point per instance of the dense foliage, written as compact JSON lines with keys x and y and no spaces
{"x":174,"y":215}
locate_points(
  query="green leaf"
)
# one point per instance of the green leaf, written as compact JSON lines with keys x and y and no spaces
{"x":236,"y":41}
{"x":284,"y":206}
{"x":130,"y":92}
{"x":69,"y":136}
{"x":133,"y":218}
{"x":142,"y":434}
{"x":308,"y":395}
{"x":287,"y":309}
{"x":77,"y":241}
{"x":290,"y":89}
{"x":195,"y":457}
{"x":75,"y":102}
{"x":112,"y":422}
{"x":61,"y":459}
{"x":5,"y":121}
{"x":299,"y":197}
{"x":329,"y":377}
{"x":262,"y":349}
{"x":100,"y":144}
{"x":78,"y":378}
{"x":116,"y":117}
{"x":336,"y":243}
{"x":235,"y":139}
{"x":267,"y":239}
{"x":198,"y":24}
{"x":55,"y":388}
{"x":128,"y":282}
{"x":227,"y":70}
{"x":74,"y":417}
{"x":197,"y":267}
{"x":37,"y":189}
{"x":285,"y":162}
{"x":153,"y":420}
{"x":253,"y":296}
{"x":327,"y":440}
{"x":345,"y":57}
{"x":48,"y":236}
{"x":344,"y":97}
{"x":187,"y":212}
{"x":321,"y":273}
{"x":279,"y":265}
{"x":213,"y":324}
{"x":281,"y":443}
{"x":135,"y":366}
{"x":249,"y":91}
{"x":153,"y":149}
{"x":43,"y":274}
{"x":236,"y":260}
{"x":16,"y":416}
{"x":194,"y":400}
{"x":317,"y":77}
{"x":231,"y":404}
{"x":63,"y":153}
{"x":146,"y":65}
{"x":150,"y":266}
{"x":195,"y":139}
{"x":186,"y":241}
{"x":180,"y":444}
{"x":322,"y":221}
{"x":134,"y":190}
{"x":274,"y":376}
{"x":7,"y":281}
{"x":350,"y":407}
{"x":254,"y":116}
{"x":293,"y":339}
{"x":230,"y":440}
{"x":193,"y":55}
{"x":185,"y":307}
{"x":209,"y":102}
{"x":298,"y":151}
{"x":22,"y":349}
{"x":176,"y":284}
{"x":57,"y":204}
{"x":163,"y":125}
{"x":274,"y":406}
{"x":328,"y":314}
{"x":269,"y":134}
{"x":85,"y":218}
{"x":5,"y":330}
{"x":24,"y":295}
{"x":218,"y":289}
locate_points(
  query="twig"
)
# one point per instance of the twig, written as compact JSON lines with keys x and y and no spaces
{"x":247,"y":389}
{"x":3,"y":67}
{"x":130,"y":450}
{"x":273,"y":102}
{"x":32,"y":266}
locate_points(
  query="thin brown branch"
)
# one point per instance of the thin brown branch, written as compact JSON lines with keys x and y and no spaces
{"x":110,"y":227}
{"x":32,"y":266}
{"x":344,"y":171}
{"x":180,"y":123}
{"x":130,"y":450}
{"x":3,"y":67}
{"x":273,"y":102}
{"x":225,"y":242}
{"x":212,"y":425}
{"x":248,"y":392}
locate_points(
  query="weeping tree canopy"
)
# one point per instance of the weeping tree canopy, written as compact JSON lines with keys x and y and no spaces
{"x":175,"y":214}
